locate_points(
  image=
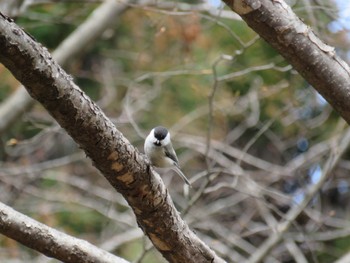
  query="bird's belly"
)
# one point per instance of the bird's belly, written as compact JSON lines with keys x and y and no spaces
{"x":158,"y":157}
{"x":161,"y":162}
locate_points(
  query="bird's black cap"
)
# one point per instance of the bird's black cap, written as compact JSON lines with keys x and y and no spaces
{"x":160,"y":132}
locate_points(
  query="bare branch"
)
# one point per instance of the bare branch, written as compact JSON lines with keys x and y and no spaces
{"x":49,"y":241}
{"x":314,"y":60}
{"x":339,"y":148}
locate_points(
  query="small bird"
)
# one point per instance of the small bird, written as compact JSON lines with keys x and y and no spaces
{"x":160,"y":151}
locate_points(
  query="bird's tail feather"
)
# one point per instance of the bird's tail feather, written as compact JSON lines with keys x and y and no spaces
{"x":179,"y":172}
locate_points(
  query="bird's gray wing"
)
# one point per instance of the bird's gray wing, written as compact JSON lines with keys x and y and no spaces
{"x":169,"y":152}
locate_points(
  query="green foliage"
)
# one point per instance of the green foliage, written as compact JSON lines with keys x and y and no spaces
{"x":50,"y":24}
{"x":90,"y":86}
{"x":81,"y":221}
{"x":49,"y":183}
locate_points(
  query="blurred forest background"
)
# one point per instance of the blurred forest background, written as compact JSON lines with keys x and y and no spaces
{"x":250,"y":133}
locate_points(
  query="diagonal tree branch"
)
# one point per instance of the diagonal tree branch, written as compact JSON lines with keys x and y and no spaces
{"x":49,"y":241}
{"x":317,"y":62}
{"x":121,"y":164}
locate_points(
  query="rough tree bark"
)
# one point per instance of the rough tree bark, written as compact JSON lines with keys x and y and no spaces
{"x":317,"y":62}
{"x":49,"y":241}
{"x":122,"y":165}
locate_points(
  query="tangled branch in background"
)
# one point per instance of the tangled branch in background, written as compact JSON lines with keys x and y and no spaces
{"x":266,"y":155}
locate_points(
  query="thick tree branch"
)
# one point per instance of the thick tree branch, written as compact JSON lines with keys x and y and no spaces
{"x":317,"y":62}
{"x":122,"y":165}
{"x":49,"y":241}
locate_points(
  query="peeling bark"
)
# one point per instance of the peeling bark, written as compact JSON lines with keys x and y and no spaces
{"x":317,"y":62}
{"x":122,"y":165}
